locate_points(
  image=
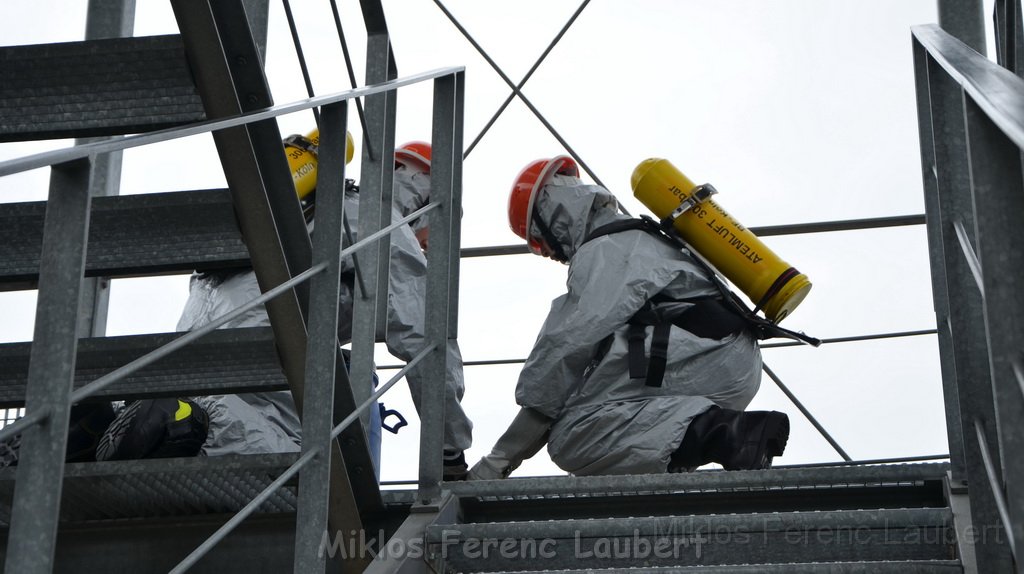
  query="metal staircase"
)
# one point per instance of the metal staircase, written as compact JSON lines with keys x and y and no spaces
{"x":322,"y":509}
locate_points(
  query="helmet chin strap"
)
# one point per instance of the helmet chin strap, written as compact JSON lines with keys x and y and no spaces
{"x":549,"y":238}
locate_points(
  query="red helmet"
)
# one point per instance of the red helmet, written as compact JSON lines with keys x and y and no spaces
{"x":414,"y":154}
{"x":524,"y":191}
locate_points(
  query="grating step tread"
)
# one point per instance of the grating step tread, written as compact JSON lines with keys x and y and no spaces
{"x":163,"y":487}
{"x":95,"y":88}
{"x":866,"y":567}
{"x":565,"y":487}
{"x":131,"y":235}
{"x":225,"y":361}
{"x":729,"y":539}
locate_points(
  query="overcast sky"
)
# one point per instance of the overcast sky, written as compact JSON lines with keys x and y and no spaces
{"x":797,"y":111}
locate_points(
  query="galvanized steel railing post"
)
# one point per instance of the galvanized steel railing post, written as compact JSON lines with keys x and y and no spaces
{"x":960,"y":88}
{"x":322,"y":348}
{"x":370,"y":305}
{"x":444,"y":249}
{"x":966,"y":311}
{"x":35,"y":512}
{"x":940,"y":296}
{"x":997,"y":182}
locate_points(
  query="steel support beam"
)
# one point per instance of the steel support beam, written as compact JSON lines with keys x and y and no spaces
{"x":225,"y":63}
{"x":104,"y":19}
{"x":1010,"y":35}
{"x":369,"y":313}
{"x":414,"y":531}
{"x":257,"y":12}
{"x":36,"y":509}
{"x":997,"y":183}
{"x":965,"y":308}
{"x":940,"y":296}
{"x":965,"y":20}
{"x":442,"y":276}
{"x":322,"y":355}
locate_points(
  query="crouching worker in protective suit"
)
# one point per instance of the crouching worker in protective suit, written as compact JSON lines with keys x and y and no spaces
{"x":593,"y":389}
{"x":268,"y":422}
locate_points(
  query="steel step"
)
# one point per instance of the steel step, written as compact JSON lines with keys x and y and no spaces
{"x":167,"y":487}
{"x":95,"y":88}
{"x":131,"y":235}
{"x":774,"y":490}
{"x":873,"y":567}
{"x":224,"y":362}
{"x":705,"y":540}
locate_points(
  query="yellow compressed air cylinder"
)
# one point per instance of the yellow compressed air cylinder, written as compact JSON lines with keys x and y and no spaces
{"x":771,"y":283}
{"x":302,"y":159}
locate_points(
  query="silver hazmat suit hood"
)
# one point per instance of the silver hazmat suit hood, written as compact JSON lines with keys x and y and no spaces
{"x":572,"y":210}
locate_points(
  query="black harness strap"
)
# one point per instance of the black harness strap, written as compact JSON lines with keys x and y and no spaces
{"x":713,"y":318}
{"x":637,"y":364}
{"x":659,"y":355}
{"x":549,"y":237}
{"x":301,"y":142}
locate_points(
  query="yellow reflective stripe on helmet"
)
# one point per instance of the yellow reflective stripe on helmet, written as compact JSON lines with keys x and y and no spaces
{"x":183,"y":412}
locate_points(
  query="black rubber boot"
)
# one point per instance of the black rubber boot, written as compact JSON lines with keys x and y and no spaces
{"x":454,"y":466}
{"x":85,"y":429}
{"x":155,"y":428}
{"x":737,"y":440}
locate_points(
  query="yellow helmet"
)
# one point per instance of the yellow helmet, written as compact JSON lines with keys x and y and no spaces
{"x":302,"y":159}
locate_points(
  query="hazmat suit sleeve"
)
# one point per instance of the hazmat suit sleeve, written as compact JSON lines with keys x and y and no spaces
{"x":526,"y":435}
{"x":609,"y":280}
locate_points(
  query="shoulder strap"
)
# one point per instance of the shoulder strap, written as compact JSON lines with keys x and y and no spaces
{"x":761,"y":327}
{"x":644,"y":223}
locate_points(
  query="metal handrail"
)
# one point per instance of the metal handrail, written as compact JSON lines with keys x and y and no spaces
{"x":834,"y":340}
{"x":54,"y":157}
{"x":762,"y":231}
{"x":993,"y":481}
{"x":971,"y":126}
{"x":164,"y":350}
{"x":997,"y":91}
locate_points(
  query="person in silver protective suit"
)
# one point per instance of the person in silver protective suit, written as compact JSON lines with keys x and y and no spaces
{"x":584,"y":391}
{"x":268,"y":422}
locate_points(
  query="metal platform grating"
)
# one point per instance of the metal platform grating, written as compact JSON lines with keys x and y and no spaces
{"x":164,"y":487}
{"x":553,"y":488}
{"x":93,"y":88}
{"x":130,"y":235}
{"x":225,"y":361}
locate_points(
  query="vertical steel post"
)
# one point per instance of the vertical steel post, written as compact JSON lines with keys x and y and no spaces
{"x":1009,"y":35}
{"x":940,"y":297}
{"x":257,"y":12}
{"x":997,"y":181}
{"x":35,"y":513}
{"x":322,"y":348}
{"x":966,"y":312}
{"x":455,"y":259}
{"x":965,"y":20}
{"x":444,"y":248}
{"x":104,"y":19}
{"x":369,"y":311}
